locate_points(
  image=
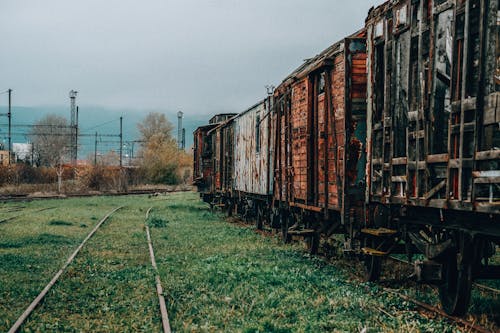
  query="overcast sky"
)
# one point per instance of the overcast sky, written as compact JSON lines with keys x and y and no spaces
{"x":200,"y":56}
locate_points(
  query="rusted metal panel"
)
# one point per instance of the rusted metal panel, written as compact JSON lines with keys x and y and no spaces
{"x":253,"y":153}
{"x":432,"y":104}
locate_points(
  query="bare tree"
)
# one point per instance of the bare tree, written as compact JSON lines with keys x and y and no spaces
{"x":51,"y":142}
{"x":155,"y":124}
{"x":160,"y":155}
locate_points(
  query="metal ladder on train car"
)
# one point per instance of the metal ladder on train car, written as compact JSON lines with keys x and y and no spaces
{"x":382,"y":236}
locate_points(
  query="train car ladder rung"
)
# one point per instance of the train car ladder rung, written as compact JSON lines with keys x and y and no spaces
{"x":303,"y":232}
{"x":373,"y":252}
{"x":379,"y":231}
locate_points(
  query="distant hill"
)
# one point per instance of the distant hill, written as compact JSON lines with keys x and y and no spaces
{"x":93,"y":119}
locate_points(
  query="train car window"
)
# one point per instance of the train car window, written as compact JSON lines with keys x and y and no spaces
{"x":379,"y":29}
{"x":321,"y":83}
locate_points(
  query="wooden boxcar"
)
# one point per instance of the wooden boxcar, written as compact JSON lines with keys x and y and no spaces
{"x":320,"y":141}
{"x":222,"y":138}
{"x":433,"y":129}
{"x":203,"y":156}
{"x":253,"y":160}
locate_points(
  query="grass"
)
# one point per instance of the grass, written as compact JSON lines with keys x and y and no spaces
{"x":216,"y":276}
{"x":222,"y":277}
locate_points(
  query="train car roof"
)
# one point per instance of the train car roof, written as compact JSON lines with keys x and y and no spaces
{"x":319,"y":60}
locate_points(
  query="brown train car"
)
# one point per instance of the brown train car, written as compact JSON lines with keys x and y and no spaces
{"x":222,"y":138}
{"x":204,"y":155}
{"x":320,"y":116}
{"x":433,"y":139}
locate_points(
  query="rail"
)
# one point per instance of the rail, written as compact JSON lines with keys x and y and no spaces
{"x":20,"y":321}
{"x":159,"y":289}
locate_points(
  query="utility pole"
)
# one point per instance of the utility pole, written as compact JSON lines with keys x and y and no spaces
{"x":9,"y":115}
{"x":73,"y":153}
{"x":121,"y":140}
{"x":183,"y":145}
{"x":179,"y":129}
{"x":95,"y":149}
{"x":76,"y":136}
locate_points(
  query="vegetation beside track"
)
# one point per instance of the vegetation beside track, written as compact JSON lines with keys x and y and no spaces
{"x":225,"y":277}
{"x":216,"y":276}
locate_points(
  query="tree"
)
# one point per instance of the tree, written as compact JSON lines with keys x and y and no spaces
{"x":160,"y":156}
{"x":155,"y":124}
{"x":51,"y":142}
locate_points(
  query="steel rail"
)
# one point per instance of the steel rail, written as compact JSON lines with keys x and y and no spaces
{"x":20,"y":321}
{"x":159,"y":290}
{"x":19,"y":215}
{"x":26,"y":198}
{"x":440,"y":312}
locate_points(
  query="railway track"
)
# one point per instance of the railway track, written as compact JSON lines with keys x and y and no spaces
{"x":159,"y":289}
{"x":457,"y":320}
{"x":29,"y":310}
{"x":472,"y":326}
{"x":19,"y":215}
{"x":26,"y":197}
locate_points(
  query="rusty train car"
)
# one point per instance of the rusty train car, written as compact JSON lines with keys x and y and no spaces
{"x":206,"y":157}
{"x":389,"y":137}
{"x":320,"y":141}
{"x":433,"y":130}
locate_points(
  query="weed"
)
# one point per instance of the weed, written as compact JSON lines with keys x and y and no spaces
{"x":60,"y":222}
{"x":156,"y":222}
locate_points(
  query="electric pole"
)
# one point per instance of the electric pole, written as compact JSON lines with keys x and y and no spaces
{"x":183,"y":142}
{"x":121,"y":140}
{"x":72,"y":97}
{"x":179,"y":129}
{"x":9,"y":115}
{"x":76,"y":136}
{"x":95,"y":149}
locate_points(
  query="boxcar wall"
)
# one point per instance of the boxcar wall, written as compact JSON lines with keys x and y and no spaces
{"x":253,"y":150}
{"x":433,"y":105}
{"x":202,"y":158}
{"x":321,"y":132}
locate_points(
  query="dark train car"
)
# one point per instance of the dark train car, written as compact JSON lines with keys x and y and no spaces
{"x":320,"y":141}
{"x":222,"y":138}
{"x":433,"y":140}
{"x":203,"y":156}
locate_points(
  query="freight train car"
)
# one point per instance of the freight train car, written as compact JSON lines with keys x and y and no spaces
{"x":253,"y":162}
{"x":433,"y":150}
{"x":320,"y":142}
{"x":203,"y":156}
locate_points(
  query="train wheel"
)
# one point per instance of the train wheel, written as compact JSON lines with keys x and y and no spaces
{"x":229,"y":208}
{"x":286,"y":220}
{"x":373,"y":264}
{"x":274,"y":219}
{"x":313,"y":243}
{"x":259,"y":221}
{"x":455,"y":291}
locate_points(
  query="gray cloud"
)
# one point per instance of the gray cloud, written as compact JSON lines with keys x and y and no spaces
{"x":198,"y":56}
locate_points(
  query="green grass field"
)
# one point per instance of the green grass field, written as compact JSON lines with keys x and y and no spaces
{"x":216,"y":276}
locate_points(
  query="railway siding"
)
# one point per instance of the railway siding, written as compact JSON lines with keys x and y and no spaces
{"x":223,"y":277}
{"x":108,"y":287}
{"x":215,"y":276}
